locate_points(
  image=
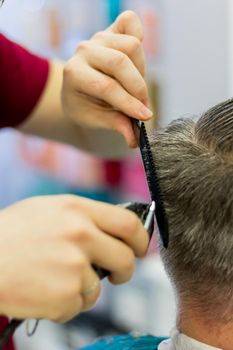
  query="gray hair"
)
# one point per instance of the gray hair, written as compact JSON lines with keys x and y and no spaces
{"x":195,"y":167}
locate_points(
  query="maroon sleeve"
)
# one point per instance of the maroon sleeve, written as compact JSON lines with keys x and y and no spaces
{"x":3,"y":324}
{"x":22,"y":79}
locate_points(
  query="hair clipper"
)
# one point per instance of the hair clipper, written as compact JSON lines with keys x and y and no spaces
{"x":146,"y":213}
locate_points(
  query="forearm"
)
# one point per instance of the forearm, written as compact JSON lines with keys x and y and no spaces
{"x":48,"y":121}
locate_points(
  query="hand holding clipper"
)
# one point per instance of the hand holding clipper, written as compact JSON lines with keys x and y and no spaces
{"x":146,"y":214}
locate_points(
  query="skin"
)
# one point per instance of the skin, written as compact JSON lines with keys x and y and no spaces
{"x":46,"y":259}
{"x":48,"y":244}
{"x":195,"y":325}
{"x":101,"y":86}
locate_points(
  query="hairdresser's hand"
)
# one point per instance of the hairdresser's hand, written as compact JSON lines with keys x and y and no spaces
{"x":47,"y":247}
{"x":104,"y":82}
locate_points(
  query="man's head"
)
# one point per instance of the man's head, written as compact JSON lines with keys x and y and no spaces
{"x":195,"y":167}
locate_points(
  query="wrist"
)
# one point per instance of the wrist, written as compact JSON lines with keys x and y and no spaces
{"x":48,"y":113}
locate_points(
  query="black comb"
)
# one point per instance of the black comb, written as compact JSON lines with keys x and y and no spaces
{"x":153,"y":183}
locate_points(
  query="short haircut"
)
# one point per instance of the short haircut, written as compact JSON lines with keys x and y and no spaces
{"x":194,"y":160}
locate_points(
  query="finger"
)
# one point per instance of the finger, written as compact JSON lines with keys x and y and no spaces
{"x":97,"y":84}
{"x":107,"y":118}
{"x":91,"y":288}
{"x":72,"y":310}
{"x":118,"y":222}
{"x":128,"y":23}
{"x":122,"y":124}
{"x":119,"y":122}
{"x":119,"y":66}
{"x":110,"y":254}
{"x":127,"y":44}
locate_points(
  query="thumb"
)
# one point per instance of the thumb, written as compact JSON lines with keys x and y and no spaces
{"x":124,"y":125}
{"x":128,"y":23}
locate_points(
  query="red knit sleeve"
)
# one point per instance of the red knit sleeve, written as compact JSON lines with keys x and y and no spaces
{"x":23,"y":76}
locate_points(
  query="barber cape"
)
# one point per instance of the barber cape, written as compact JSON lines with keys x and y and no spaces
{"x":178,"y":341}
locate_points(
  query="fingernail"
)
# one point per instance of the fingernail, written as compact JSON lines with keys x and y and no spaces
{"x":145,"y":112}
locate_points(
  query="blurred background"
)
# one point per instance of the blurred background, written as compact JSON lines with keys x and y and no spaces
{"x":189,"y":52}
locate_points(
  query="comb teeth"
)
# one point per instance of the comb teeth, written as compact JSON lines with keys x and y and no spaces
{"x":153,"y":184}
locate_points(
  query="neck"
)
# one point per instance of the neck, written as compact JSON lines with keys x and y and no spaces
{"x":210,"y":332}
